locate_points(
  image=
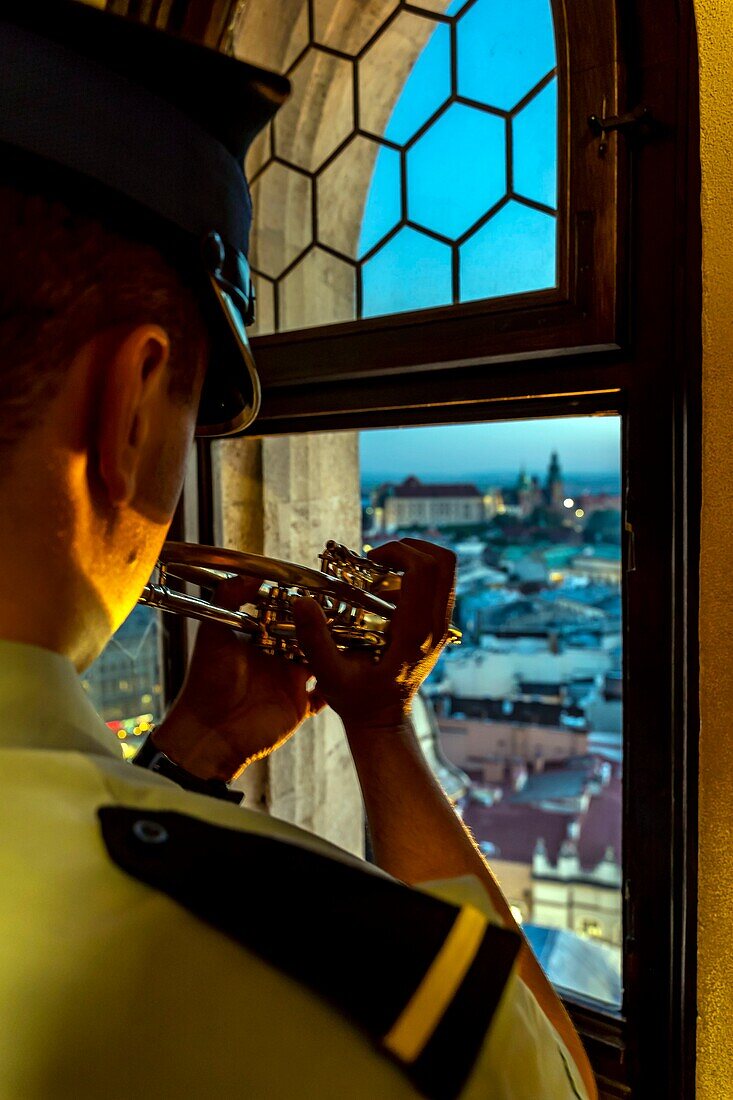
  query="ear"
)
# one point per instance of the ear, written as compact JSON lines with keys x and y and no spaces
{"x":134,"y":380}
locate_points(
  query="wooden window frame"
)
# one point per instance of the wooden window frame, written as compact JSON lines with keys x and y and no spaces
{"x":620,"y":335}
{"x":582,"y":311}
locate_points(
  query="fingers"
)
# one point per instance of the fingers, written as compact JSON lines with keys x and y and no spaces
{"x":231,"y":594}
{"x":236,"y":591}
{"x":316,"y":642}
{"x":426,"y":592}
{"x":445,"y":589}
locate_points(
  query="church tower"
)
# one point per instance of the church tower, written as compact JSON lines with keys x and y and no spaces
{"x":524,"y":493}
{"x":555,"y":487}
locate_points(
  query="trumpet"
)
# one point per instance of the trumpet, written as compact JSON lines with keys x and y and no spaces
{"x":354,"y":593}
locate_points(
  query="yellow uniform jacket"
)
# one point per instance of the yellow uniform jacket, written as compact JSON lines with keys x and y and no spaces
{"x":156,"y":943}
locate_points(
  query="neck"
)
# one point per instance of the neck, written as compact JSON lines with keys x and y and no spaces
{"x":37,"y":613}
{"x":45,"y":597}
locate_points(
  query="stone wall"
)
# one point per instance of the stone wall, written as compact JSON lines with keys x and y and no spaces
{"x":285,"y":497}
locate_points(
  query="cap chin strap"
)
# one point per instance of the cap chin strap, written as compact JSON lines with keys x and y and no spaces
{"x":235,"y":300}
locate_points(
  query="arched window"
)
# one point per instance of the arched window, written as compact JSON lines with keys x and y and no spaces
{"x":462,"y":205}
{"x":415,"y":167}
{"x":354,"y":333}
{"x":608,"y":327}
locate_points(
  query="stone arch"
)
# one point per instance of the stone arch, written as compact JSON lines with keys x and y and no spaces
{"x":318,"y":120}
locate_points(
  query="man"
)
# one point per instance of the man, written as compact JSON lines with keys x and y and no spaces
{"x":159,"y":942}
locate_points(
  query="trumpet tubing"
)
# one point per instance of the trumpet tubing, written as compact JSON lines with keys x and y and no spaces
{"x":354,"y":593}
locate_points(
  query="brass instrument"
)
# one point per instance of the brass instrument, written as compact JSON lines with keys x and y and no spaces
{"x":354,"y":593}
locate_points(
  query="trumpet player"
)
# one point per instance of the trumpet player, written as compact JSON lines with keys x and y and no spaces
{"x":255,"y":960}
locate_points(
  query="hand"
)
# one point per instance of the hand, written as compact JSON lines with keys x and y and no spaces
{"x":237,"y":704}
{"x":378,"y":694}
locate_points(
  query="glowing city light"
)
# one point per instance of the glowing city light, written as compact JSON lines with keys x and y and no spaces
{"x":569,"y":502}
{"x":580,"y":512}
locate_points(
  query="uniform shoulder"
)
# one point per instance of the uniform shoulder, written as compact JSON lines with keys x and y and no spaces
{"x":420,"y":976}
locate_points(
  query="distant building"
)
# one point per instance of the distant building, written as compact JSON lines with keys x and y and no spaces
{"x":599,"y":564}
{"x":527,"y":498}
{"x":559,"y":867}
{"x":452,"y":779}
{"x":524,"y":679}
{"x":599,"y":502}
{"x":420,"y":504}
{"x":529,"y":494}
{"x":586,"y":900}
{"x":509,"y":502}
{"x":487,"y":751}
{"x":555,"y":489}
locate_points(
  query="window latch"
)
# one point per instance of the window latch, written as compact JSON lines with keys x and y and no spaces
{"x":638,"y":123}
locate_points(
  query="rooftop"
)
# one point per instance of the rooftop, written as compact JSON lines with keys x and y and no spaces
{"x":412,"y":487}
{"x":515,"y":827}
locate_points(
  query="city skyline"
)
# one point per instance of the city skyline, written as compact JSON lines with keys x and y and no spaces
{"x":585,"y":445}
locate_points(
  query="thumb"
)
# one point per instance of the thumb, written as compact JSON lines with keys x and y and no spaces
{"x":231,"y":594}
{"x":235,"y":591}
{"x":315,"y":640}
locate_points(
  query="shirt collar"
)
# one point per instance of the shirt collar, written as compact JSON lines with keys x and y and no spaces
{"x":44,"y":706}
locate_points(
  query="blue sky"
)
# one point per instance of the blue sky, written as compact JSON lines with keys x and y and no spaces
{"x":456,"y":172}
{"x":585,"y":445}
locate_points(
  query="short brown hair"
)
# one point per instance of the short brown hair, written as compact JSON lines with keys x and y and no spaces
{"x":65,"y":276}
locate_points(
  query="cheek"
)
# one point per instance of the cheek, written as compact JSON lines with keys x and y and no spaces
{"x":160,"y":488}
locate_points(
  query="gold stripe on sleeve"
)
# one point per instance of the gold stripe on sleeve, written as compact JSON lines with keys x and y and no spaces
{"x":416,"y":1023}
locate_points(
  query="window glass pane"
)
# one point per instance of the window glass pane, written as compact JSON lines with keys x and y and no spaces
{"x":125,"y":682}
{"x":504,"y":51}
{"x":415,"y":165}
{"x":522,"y":723}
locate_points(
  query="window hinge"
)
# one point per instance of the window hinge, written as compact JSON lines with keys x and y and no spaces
{"x":638,"y":123}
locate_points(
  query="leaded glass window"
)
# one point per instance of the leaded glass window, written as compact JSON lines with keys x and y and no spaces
{"x":415,"y":165}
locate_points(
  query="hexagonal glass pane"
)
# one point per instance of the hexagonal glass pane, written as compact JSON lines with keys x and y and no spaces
{"x":412,"y":49}
{"x":457,"y":170}
{"x":341,"y":180}
{"x":535,"y":147}
{"x":504,"y":50}
{"x":349,"y":32}
{"x":380,"y":218}
{"x":442,"y":7}
{"x":255,"y":41}
{"x":319,"y":115}
{"x":513,"y":253}
{"x":411,"y":271}
{"x":281,"y":198}
{"x":319,"y":290}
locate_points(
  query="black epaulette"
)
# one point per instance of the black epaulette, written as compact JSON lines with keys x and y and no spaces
{"x":421,"y":977}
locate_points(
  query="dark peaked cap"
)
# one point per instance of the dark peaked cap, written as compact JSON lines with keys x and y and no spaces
{"x":165,"y":124}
